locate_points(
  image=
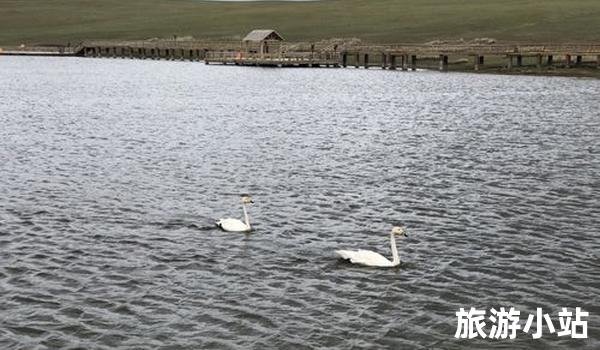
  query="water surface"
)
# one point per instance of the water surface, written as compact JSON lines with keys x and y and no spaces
{"x":113,"y":171}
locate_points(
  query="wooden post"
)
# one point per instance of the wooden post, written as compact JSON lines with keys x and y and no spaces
{"x":413,"y":62}
{"x":578,"y":60}
{"x":550,"y":60}
{"x":345,"y":59}
{"x":383,"y":60}
{"x":519,"y":60}
{"x":262,"y":47}
{"x":405,"y":62}
{"x":357,"y":63}
{"x":568,"y":61}
{"x":443,"y":63}
{"x":539,"y":61}
{"x":392,"y":62}
{"x":366,"y":61}
{"x":476,"y":61}
{"x":481,"y":60}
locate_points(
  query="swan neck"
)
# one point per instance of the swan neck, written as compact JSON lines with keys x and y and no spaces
{"x":395,"y":257}
{"x":246,"y":218}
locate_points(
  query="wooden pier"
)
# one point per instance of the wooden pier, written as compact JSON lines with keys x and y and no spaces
{"x":507,"y":56}
{"x":410,"y":57}
{"x":58,"y":51}
{"x":405,"y":57}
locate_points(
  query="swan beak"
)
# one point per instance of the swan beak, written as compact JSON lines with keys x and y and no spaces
{"x":252,"y":201}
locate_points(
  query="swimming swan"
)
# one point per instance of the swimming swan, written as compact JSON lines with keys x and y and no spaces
{"x":369,"y":258}
{"x":235,"y":225}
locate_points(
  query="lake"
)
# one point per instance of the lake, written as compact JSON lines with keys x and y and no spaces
{"x":113,"y":171}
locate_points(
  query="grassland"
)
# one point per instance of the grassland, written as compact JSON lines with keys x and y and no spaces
{"x":60,"y":21}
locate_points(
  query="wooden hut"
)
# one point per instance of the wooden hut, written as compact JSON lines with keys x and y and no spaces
{"x":262,"y":41}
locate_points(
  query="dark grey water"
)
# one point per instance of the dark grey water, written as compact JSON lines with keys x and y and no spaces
{"x":112,"y":172}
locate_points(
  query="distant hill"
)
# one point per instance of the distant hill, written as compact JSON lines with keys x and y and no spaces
{"x":62,"y":21}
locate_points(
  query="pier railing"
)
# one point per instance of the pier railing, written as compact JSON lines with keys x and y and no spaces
{"x":167,"y":44}
{"x":278,"y":58}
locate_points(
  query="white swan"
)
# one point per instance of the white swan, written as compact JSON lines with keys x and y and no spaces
{"x":369,"y":258}
{"x":235,"y":225}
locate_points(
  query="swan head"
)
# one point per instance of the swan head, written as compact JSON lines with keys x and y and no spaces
{"x":399,"y":231}
{"x":246,"y":200}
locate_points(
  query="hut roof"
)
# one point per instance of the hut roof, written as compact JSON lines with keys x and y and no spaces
{"x":263,"y":34}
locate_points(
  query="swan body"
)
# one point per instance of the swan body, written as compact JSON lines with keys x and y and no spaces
{"x":235,"y":225}
{"x":369,"y":258}
{"x":366,"y":257}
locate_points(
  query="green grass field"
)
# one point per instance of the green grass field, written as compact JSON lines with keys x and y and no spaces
{"x":59,"y":21}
